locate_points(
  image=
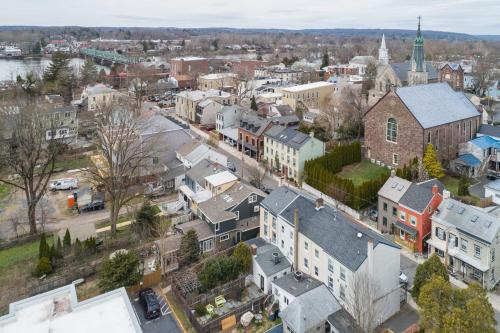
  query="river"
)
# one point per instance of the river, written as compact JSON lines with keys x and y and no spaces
{"x":10,"y":68}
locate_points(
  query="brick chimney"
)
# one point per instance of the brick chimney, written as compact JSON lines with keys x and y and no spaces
{"x":435,"y":189}
{"x":253,"y":249}
{"x":319,"y":203}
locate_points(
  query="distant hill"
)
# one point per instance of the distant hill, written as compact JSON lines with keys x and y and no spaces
{"x":389,"y":33}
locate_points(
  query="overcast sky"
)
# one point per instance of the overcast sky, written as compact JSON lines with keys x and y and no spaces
{"x":468,"y":16}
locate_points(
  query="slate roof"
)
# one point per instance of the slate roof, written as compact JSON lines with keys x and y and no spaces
{"x":279,"y":199}
{"x":452,"y":65}
{"x":265,"y":260}
{"x":203,"y":169}
{"x":436,"y":104}
{"x":469,"y":160}
{"x":454,"y":213}
{"x":254,"y":124}
{"x":334,"y":232}
{"x":419,"y":196}
{"x":394,"y":188}
{"x":307,"y":311}
{"x":288,"y":136}
{"x":295,"y":287}
{"x":489,"y":130}
{"x":401,"y":69}
{"x":201,"y":227}
{"x":344,"y":322}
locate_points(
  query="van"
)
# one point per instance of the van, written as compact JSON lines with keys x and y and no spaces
{"x":64,"y":184}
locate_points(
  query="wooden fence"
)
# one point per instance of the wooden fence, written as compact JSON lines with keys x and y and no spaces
{"x":150,"y":280}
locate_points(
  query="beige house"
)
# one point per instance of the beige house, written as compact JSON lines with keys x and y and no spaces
{"x":99,"y":95}
{"x":187,"y":101}
{"x":220,"y":81}
{"x":310,"y":95}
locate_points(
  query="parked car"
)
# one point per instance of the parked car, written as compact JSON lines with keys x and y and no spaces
{"x":402,"y":277}
{"x":150,"y":303}
{"x":230,"y":166}
{"x":89,"y":201}
{"x":373,"y":215}
{"x":64,"y":184}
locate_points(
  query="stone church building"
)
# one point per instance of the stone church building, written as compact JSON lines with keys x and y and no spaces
{"x":401,"y":124}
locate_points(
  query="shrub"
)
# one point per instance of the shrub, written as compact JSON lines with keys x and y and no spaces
{"x":67,"y":239}
{"x":218,"y":271}
{"x":44,"y":267}
{"x":44,"y":248}
{"x":200,"y":309}
{"x":189,"y":249}
{"x":120,"y":271}
{"x":243,"y":257}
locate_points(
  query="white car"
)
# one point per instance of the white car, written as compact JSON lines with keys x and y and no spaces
{"x":403,"y":278}
{"x":64,"y":184}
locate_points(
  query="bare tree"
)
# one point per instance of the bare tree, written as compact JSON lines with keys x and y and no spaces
{"x":244,"y":88}
{"x":29,"y":153}
{"x":142,"y":80}
{"x":361,"y":297}
{"x":329,"y":116}
{"x":256,"y":175}
{"x":123,"y":155}
{"x":352,"y":107}
{"x":481,"y":78}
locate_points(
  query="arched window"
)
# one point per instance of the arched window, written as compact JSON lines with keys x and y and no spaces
{"x":392,"y":130}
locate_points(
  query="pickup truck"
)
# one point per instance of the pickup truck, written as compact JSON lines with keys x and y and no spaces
{"x":89,"y":201}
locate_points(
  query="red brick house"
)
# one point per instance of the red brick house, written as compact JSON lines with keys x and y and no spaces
{"x":407,"y":209}
{"x":453,"y":74}
{"x":401,"y":124}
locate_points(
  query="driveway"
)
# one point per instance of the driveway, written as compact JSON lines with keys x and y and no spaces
{"x":477,"y":188}
{"x":401,"y":321}
{"x":164,"y":323}
{"x":409,"y":268}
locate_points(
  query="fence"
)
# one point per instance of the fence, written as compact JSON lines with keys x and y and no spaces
{"x":19,"y":241}
{"x":182,"y":219}
{"x":39,"y":287}
{"x":150,"y":280}
{"x":331,"y":201}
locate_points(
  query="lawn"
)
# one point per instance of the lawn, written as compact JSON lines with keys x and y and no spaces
{"x":451,"y":184}
{"x":77,"y":162}
{"x":4,"y":190}
{"x":361,"y":172}
{"x":19,"y":254}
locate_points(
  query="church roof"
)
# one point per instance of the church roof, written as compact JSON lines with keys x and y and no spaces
{"x":401,"y":69}
{"x":436,"y":104}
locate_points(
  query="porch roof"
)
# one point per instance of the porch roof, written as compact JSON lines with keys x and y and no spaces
{"x":476,"y":263}
{"x":406,"y":228}
{"x":469,"y":160}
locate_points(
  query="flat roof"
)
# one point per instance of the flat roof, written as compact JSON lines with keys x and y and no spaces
{"x":220,"y":178}
{"x":308,"y":86}
{"x":59,"y":311}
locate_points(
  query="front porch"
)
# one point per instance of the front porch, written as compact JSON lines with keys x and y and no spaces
{"x":405,"y":236}
{"x":465,"y":272}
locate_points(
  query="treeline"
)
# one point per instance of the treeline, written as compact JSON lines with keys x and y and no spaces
{"x":321,"y":173}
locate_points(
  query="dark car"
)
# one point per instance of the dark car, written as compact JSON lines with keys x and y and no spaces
{"x":230,"y":166}
{"x":93,"y":206}
{"x":150,"y":303}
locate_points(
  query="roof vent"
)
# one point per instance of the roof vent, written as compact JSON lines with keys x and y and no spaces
{"x":276,"y":258}
{"x":359,"y":235}
{"x":297,"y":275}
{"x":461,"y":210}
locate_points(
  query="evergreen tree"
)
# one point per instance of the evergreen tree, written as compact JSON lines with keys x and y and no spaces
{"x":253,"y":104}
{"x":78,"y":248}
{"x":422,"y":174}
{"x":122,"y":270}
{"x":43,"y":248}
{"x":243,"y":257}
{"x":463,"y":186}
{"x":189,"y":248}
{"x":89,"y":72}
{"x":67,"y":239}
{"x":59,"y":64}
{"x":431,"y":162}
{"x":435,"y":302}
{"x":326,"y":59}
{"x":425,"y":271}
{"x":37,"y":48}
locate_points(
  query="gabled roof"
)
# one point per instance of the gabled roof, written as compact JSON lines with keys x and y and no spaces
{"x":418,"y":196}
{"x":279,"y":199}
{"x":489,"y":130}
{"x":311,"y":309}
{"x":468,"y":219}
{"x":331,"y":230}
{"x":394,"y":188}
{"x":436,"y":104}
{"x":401,"y":69}
{"x":288,"y":136}
{"x":203,"y":169}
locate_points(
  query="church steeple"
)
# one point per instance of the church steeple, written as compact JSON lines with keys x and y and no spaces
{"x":418,"y":71}
{"x":383,"y":53}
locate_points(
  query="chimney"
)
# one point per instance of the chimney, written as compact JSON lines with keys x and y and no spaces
{"x":253,"y":249}
{"x":296,"y":239}
{"x":446,"y":194}
{"x":393,"y":173}
{"x":319,"y":203}
{"x":435,"y":189}
{"x":276,"y":258}
{"x":369,"y":256}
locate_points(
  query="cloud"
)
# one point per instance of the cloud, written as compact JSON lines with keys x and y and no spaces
{"x":468,"y":16}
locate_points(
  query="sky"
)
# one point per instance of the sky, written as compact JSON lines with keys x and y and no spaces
{"x":466,"y":16}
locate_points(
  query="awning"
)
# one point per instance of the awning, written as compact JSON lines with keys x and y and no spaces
{"x":469,"y":160}
{"x":409,"y":230}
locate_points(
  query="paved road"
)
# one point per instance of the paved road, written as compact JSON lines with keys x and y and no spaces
{"x":408,"y":267}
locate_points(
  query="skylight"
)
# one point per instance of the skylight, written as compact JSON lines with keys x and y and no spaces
{"x":461,"y":210}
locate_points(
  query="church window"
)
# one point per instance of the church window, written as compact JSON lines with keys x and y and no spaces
{"x":392,"y":130}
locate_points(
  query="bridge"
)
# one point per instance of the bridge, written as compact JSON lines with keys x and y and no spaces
{"x":110,"y":56}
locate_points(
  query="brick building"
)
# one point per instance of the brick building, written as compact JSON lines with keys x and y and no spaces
{"x":186,"y":69}
{"x":453,"y":74}
{"x":401,"y":124}
{"x":246,"y":68}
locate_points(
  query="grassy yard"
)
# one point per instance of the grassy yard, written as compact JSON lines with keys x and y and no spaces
{"x":19,"y":254}
{"x":451,"y":184}
{"x":78,"y":162}
{"x":361,"y":172}
{"x":4,"y":190}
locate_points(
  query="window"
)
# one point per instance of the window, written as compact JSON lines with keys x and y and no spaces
{"x":330,"y":265}
{"x":282,"y":244}
{"x":306,"y":263}
{"x":266,"y":230}
{"x":395,"y":159}
{"x":464,"y":244}
{"x":252,"y":198}
{"x":342,"y":292}
{"x":384,"y":221}
{"x":493,"y":254}
{"x":273,"y":239}
{"x":401,"y":234}
{"x":477,"y":251}
{"x":274,"y":222}
{"x":402,"y":215}
{"x":256,"y":209}
{"x":342,"y":273}
{"x":439,"y":252}
{"x":291,"y":235}
{"x":285,"y":300}
{"x":282,"y":228}
{"x":316,"y":270}
{"x":330,"y":282}
{"x":440,"y":234}
{"x":392,"y":130}
{"x":237,"y":215}
{"x":265,"y":215}
{"x":413,"y":220}
{"x":394,"y":211}
{"x":316,"y":253}
{"x":385,"y":206}
{"x":306,"y":246}
{"x":224,"y":237}
{"x":291,"y":251}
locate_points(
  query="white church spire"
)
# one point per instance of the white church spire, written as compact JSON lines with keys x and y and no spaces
{"x":383,"y":53}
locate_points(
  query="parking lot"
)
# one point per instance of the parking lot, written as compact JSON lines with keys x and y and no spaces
{"x":165,"y":323}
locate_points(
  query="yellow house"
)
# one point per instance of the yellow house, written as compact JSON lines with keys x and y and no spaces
{"x":310,"y":95}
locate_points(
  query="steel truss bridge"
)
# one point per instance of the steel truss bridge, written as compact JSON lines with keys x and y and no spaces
{"x":110,"y":56}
